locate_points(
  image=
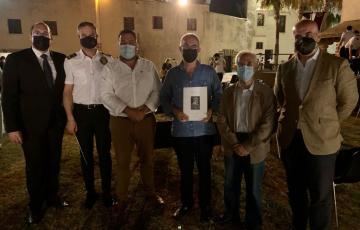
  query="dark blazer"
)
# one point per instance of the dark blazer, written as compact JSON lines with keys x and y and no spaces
{"x":29,"y":104}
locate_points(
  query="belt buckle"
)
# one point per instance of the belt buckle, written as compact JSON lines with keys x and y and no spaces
{"x":91,"y":106}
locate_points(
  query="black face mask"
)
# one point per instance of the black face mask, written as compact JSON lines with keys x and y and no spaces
{"x":305,"y":45}
{"x":41,"y":42}
{"x":189,"y":55}
{"x":88,"y":42}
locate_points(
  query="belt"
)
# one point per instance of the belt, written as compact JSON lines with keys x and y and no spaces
{"x":127,"y":118}
{"x":90,"y":106}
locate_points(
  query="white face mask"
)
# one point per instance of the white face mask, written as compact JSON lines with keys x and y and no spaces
{"x":127,"y":51}
{"x":245,"y":72}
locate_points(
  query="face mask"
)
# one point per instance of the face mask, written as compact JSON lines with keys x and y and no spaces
{"x":88,"y":42}
{"x":190,"y":55}
{"x":127,"y":51}
{"x":245,"y":73}
{"x":41,"y":42}
{"x":305,"y":45}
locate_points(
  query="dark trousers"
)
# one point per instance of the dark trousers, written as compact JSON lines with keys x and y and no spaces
{"x":313,"y":174}
{"x":187,"y":150}
{"x":235,"y":168}
{"x":42,"y":152}
{"x":94,"y":122}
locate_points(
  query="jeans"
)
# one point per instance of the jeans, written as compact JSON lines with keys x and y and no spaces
{"x":235,"y":168}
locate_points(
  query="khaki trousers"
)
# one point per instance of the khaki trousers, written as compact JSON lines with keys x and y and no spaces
{"x":125,"y":135}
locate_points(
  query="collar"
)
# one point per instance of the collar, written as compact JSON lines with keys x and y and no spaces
{"x":251,"y":88}
{"x":313,"y":58}
{"x":83,"y":55}
{"x":182,"y":64}
{"x":38,"y":53}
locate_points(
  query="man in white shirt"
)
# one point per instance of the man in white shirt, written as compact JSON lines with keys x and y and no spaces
{"x":219,"y":65}
{"x":130,"y":91}
{"x":345,"y":37}
{"x":86,"y":116}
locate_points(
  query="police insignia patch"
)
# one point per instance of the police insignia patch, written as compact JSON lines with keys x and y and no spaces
{"x":103,"y":60}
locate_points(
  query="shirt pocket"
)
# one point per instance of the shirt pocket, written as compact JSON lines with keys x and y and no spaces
{"x":80,"y":77}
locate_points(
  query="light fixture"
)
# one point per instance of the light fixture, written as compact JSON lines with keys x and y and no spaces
{"x":182,"y":2}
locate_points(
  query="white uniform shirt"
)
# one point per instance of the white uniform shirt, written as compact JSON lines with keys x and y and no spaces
{"x":38,"y":54}
{"x":353,"y":43}
{"x":304,"y":74}
{"x":242,"y":109}
{"x":346,"y":36}
{"x":121,"y":86}
{"x":85,"y":74}
{"x":220,"y":65}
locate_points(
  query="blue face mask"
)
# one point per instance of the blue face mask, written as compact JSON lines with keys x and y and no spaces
{"x":245,"y":73}
{"x":127,"y":51}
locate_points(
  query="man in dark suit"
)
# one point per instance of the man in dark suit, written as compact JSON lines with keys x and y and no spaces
{"x":33,"y":83}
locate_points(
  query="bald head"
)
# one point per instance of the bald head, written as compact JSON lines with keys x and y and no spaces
{"x":246,"y":58}
{"x":306,"y":28}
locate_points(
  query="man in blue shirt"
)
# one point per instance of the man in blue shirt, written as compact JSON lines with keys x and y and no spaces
{"x":192,"y":139}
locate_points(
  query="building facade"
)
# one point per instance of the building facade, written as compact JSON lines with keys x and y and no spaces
{"x":159,"y":25}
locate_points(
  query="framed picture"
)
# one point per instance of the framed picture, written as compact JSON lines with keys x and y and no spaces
{"x":195,"y":103}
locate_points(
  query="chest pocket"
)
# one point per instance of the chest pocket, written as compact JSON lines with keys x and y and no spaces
{"x":80,"y":77}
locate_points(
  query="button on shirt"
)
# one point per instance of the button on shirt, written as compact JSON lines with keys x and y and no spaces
{"x":38,"y":54}
{"x":122,"y":86}
{"x":304,"y":74}
{"x":85,"y":74}
{"x":242,"y":109}
{"x":172,"y":95}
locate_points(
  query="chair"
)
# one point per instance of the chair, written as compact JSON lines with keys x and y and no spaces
{"x":347,"y":170}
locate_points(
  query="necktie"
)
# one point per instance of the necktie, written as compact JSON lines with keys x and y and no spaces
{"x":47,"y":70}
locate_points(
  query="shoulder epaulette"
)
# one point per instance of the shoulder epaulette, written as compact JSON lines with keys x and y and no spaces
{"x":108,"y":55}
{"x":71,"y":56}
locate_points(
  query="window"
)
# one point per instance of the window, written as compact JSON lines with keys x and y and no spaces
{"x":282,"y":23}
{"x":129,"y":23}
{"x":260,"y":19}
{"x":14,"y":26}
{"x":53,"y":27}
{"x":259,"y":45}
{"x":191,"y":24}
{"x":157,"y":22}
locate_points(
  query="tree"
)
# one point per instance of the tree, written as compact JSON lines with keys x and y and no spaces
{"x":302,"y":6}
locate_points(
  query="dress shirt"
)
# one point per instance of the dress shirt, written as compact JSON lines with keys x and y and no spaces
{"x":85,"y":74}
{"x":122,"y":86}
{"x":172,"y":95}
{"x":38,"y":54}
{"x":242,"y":108}
{"x":304,"y":74}
{"x":345,"y":36}
{"x":354,"y":43}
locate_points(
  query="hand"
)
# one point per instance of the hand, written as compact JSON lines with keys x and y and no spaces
{"x":180,"y":115}
{"x":240,"y":150}
{"x":208,"y":116}
{"x":135,"y":115}
{"x":16,"y":137}
{"x":144,"y":109}
{"x":71,"y":127}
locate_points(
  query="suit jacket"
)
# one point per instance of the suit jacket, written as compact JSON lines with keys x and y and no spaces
{"x":29,"y":104}
{"x":330,"y":99}
{"x":261,"y":121}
